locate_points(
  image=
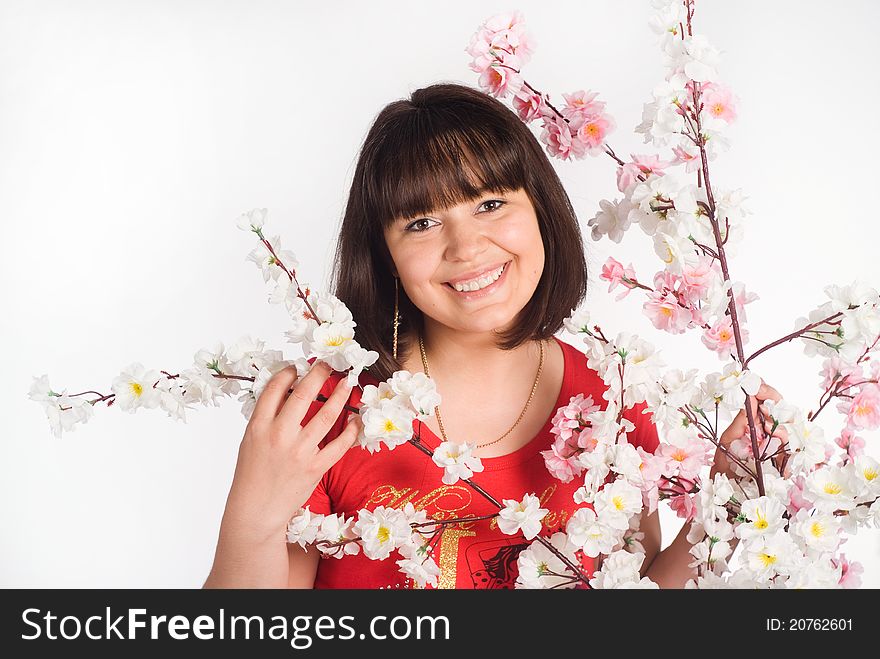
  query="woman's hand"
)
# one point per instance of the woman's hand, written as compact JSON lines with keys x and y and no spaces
{"x":740,"y":425}
{"x":279,"y":461}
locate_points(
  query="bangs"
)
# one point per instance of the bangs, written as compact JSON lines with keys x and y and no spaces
{"x":431,"y":161}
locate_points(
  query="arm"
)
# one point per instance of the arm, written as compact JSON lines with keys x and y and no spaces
{"x":669,"y":568}
{"x":241,"y":562}
{"x":279,"y":465}
{"x":303,"y":566}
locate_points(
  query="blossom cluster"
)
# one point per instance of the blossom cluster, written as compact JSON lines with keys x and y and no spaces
{"x":379,"y":532}
{"x":812,"y":499}
{"x":500,"y":48}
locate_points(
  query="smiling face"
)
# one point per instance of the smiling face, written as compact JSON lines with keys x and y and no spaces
{"x":470,"y":244}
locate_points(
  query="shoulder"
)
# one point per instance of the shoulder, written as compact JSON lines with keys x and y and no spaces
{"x":578,"y":374}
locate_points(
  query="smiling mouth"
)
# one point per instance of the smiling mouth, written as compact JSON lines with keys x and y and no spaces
{"x":489,"y":288}
{"x":480,"y":284}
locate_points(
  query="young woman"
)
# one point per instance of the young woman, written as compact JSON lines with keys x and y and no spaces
{"x":459,"y":256}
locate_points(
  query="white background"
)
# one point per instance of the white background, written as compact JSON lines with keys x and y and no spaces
{"x":132,"y":135}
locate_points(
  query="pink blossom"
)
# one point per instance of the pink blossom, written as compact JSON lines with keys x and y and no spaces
{"x":501,"y":36}
{"x":653,"y":465}
{"x":594,"y":130}
{"x":573,"y":437}
{"x":614,"y":272}
{"x":720,"y":337}
{"x":570,"y":419}
{"x":865,"y":410}
{"x":683,"y":505}
{"x":528,"y":105}
{"x":854,"y":446}
{"x":628,"y":177}
{"x":663,"y":309}
{"x":796,"y":500}
{"x":698,"y":277}
{"x":581,"y":104}
{"x":563,"y":469}
{"x":718,"y":101}
{"x":834,"y":368}
{"x":641,"y":165}
{"x":685,"y":461}
{"x":499,"y":80}
{"x":741,"y":299}
{"x":688,"y":156}
{"x":850,"y":572}
{"x":559,"y":139}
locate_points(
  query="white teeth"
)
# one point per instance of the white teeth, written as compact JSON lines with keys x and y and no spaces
{"x":481,"y":282}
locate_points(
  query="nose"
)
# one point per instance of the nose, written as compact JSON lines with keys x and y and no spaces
{"x":465,"y":241}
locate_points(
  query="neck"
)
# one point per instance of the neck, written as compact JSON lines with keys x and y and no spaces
{"x":473,"y":356}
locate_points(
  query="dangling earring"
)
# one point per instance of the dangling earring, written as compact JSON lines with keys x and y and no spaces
{"x":396,"y":318}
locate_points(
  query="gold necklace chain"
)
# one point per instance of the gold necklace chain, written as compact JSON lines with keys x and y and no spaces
{"x":521,"y":414}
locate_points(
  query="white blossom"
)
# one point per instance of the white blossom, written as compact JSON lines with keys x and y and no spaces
{"x":457,"y":461}
{"x":382,"y":531}
{"x":135,"y":388}
{"x":541,"y":568}
{"x":388,"y":422}
{"x":304,"y":527}
{"x":612,"y":220}
{"x":831,"y":488}
{"x":253,"y":220}
{"x":337,"y":529}
{"x":619,"y":570}
{"x":63,"y":411}
{"x":525,"y":516}
{"x":616,"y":503}
{"x":817,"y":530}
{"x":764,"y":517}
{"x":589,"y":534}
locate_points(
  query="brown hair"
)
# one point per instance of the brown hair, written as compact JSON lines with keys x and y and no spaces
{"x":444,"y":145}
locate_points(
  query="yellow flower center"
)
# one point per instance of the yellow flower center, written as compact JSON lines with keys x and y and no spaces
{"x":389,"y":426}
{"x":383,"y":534}
{"x":724,"y":336}
{"x":870,"y":473}
{"x":817,"y":530}
{"x":832,"y":488}
{"x":666,"y":311}
{"x":761,"y":524}
{"x":334,"y":341}
{"x":767,"y":559}
{"x":137,"y":388}
{"x":717,"y":109}
{"x":618,"y":502}
{"x":592,"y":130}
{"x":679,"y":455}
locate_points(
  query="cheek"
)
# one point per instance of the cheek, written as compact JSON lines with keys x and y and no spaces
{"x":525,"y":241}
{"x":415,"y":267}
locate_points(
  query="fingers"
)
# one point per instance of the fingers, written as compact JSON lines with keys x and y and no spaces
{"x":333,"y":451}
{"x":274,"y":395}
{"x":766,"y":392}
{"x":325,"y":418}
{"x":303,"y":395}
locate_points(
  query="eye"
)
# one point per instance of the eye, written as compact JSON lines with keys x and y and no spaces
{"x":413,"y":226}
{"x":491,"y":205}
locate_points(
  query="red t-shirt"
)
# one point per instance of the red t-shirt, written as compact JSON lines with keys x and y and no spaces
{"x":472,"y":554}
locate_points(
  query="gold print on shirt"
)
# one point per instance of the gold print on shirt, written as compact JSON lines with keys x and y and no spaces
{"x":449,"y":502}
